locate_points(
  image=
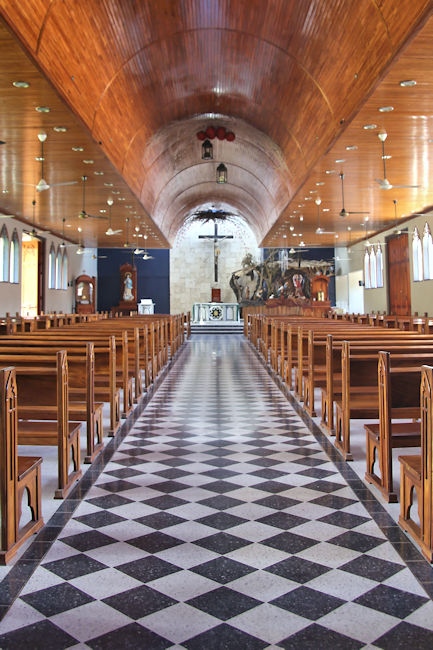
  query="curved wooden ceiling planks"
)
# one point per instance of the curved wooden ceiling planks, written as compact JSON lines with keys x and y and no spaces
{"x":295,"y":71}
{"x":172,"y":163}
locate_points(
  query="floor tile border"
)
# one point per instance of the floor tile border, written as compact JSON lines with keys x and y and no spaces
{"x":21,"y":572}
{"x":402,"y":544}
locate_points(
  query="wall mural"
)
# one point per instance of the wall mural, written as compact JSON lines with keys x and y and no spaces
{"x":280,"y":279}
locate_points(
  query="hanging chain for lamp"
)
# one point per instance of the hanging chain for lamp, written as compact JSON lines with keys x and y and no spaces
{"x":109,"y":203}
{"x":126,"y":244}
{"x":34,"y":213}
{"x":319,"y":230}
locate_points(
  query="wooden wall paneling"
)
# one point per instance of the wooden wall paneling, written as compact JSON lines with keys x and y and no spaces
{"x":296,"y":71}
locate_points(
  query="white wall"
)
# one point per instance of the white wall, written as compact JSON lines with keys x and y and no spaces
{"x":377,"y":299}
{"x":192,"y":263}
{"x":55,"y":299}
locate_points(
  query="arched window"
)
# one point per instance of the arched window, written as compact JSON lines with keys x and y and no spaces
{"x":373,"y":268}
{"x":4,"y":255}
{"x":14,"y":258}
{"x":65,"y":270}
{"x":427,"y":249}
{"x":52,"y":268}
{"x":417,"y":256}
{"x":59,"y":269}
{"x":367,"y":283}
{"x":379,"y":266}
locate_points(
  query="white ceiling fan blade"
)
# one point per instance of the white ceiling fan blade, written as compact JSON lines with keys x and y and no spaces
{"x":67,"y":183}
{"x":410,"y":186}
{"x":110,"y":232}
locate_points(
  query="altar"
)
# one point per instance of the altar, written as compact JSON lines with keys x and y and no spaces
{"x":215,"y":311}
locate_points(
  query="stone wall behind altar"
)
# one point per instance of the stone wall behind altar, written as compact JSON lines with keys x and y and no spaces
{"x":192,"y":262}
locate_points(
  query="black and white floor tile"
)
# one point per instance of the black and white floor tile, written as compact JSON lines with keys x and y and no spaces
{"x":220,"y":522}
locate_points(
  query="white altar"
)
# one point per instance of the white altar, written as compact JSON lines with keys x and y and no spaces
{"x":146,"y":306}
{"x":215,"y":311}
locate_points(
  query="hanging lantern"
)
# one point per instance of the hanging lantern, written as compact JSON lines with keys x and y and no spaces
{"x":221,"y":173}
{"x":207,"y":150}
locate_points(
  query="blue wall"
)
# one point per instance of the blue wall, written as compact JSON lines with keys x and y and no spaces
{"x":153,"y":277}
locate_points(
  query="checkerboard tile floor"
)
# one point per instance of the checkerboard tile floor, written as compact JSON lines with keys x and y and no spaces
{"x":220,"y":523}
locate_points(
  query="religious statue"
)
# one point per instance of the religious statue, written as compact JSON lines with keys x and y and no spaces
{"x":298,"y":281}
{"x":127,"y":292}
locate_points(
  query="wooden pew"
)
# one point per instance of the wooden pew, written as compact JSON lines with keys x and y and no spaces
{"x":111,"y":370}
{"x":328,"y":376}
{"x":359,"y":398}
{"x":18,"y":474}
{"x":81,"y":373}
{"x":333,"y":349}
{"x":416,"y":475}
{"x":399,"y":387}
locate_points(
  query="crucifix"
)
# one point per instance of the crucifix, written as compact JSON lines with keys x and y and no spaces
{"x":215,"y":238}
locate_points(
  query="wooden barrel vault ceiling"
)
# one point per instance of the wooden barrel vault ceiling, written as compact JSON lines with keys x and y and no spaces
{"x":133,"y":81}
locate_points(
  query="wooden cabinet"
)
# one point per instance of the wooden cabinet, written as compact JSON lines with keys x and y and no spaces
{"x":85,"y":294}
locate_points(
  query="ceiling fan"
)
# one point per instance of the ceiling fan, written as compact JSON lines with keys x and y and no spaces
{"x":110,"y":230}
{"x":343,"y":212}
{"x":146,"y":256}
{"x":83,"y":214}
{"x":43,"y":185}
{"x":36,"y":231}
{"x":384,"y":182}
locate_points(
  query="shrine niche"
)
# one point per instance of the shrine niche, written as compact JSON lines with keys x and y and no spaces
{"x":128,"y":289}
{"x":320,"y":287}
{"x":281,"y":280}
{"x":85,"y":294}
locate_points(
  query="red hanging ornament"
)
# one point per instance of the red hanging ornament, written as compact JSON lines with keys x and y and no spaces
{"x":201,"y":135}
{"x":211,"y":132}
{"x":221,"y":133}
{"x":230,"y":136}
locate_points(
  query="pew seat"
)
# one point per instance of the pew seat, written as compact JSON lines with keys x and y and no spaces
{"x":78,"y":411}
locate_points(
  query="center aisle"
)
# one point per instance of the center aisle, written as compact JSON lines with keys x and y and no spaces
{"x":220,"y":523}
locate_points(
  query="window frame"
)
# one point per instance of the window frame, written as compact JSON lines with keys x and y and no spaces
{"x":14,"y":258}
{"x":65,"y":270}
{"x":417,"y":257}
{"x":52,"y":267}
{"x":366,"y":264}
{"x":4,"y":254}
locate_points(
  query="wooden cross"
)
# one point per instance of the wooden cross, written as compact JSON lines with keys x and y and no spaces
{"x":215,"y":238}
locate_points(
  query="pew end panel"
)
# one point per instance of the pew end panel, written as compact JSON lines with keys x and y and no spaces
{"x":416,"y":475}
{"x":18,"y":475}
